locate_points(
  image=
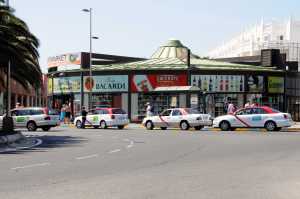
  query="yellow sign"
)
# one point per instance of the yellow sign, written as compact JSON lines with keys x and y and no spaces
{"x":50,"y":85}
{"x":275,"y":84}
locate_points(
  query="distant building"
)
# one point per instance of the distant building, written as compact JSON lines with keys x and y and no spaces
{"x":283,"y":35}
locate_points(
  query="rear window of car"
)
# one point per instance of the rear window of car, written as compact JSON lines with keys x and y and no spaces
{"x":118,"y":111}
{"x":52,"y":112}
{"x":191,"y":111}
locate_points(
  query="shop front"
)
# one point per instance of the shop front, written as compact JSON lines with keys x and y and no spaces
{"x":143,"y":90}
{"x":107,"y":91}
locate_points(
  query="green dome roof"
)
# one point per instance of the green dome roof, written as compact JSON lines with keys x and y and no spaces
{"x":172,"y":49}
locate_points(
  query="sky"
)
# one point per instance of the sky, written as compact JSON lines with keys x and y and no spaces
{"x":138,"y":27}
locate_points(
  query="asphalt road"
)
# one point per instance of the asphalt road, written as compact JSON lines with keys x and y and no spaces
{"x":140,"y":164}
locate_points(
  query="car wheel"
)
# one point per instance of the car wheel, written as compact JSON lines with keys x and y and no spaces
{"x":163,"y":128}
{"x":270,"y":126}
{"x":121,"y":127}
{"x":225,"y":126}
{"x":198,"y":127}
{"x":46,"y":128}
{"x":31,"y":126}
{"x":149,"y":125}
{"x":103,"y":124}
{"x":184,"y":125}
{"x":78,"y":124}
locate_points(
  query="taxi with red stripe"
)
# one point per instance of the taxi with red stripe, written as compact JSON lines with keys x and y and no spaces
{"x":183,"y":118}
{"x":254,"y":117}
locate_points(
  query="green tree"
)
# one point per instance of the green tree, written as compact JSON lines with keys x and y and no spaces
{"x":18,"y":45}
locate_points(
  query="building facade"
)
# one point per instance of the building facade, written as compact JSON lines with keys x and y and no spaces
{"x":283,"y":35}
{"x":167,"y":79}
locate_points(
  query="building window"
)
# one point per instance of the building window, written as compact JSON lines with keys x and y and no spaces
{"x":281,"y":37}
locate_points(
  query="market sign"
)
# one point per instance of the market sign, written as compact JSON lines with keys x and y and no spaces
{"x":255,"y":83}
{"x":106,"y":83}
{"x":219,"y":83}
{"x":66,"y":85}
{"x":275,"y":84}
{"x":65,"y":62}
{"x":146,"y":83}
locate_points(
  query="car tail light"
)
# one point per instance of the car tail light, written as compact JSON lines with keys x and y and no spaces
{"x":47,"y":118}
{"x":112,"y":117}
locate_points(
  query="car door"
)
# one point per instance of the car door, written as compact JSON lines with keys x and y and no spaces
{"x":176,"y":117}
{"x":90,"y":117}
{"x":258,"y":117}
{"x":164,"y":118}
{"x":22,"y":117}
{"x":243,"y":118}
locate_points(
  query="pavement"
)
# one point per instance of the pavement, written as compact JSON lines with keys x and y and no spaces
{"x":138,"y":164}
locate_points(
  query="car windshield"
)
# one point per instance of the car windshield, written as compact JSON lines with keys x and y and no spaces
{"x":118,"y":111}
{"x":191,"y":111}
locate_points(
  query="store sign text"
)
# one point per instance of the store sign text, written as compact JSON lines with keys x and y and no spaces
{"x":106,"y":83}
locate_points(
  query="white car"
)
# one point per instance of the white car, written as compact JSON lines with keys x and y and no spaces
{"x":33,"y":118}
{"x":103,"y":118}
{"x":254,"y":117}
{"x":178,"y":117}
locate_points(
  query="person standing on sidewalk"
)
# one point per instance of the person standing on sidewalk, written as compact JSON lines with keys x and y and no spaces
{"x":83,"y":115}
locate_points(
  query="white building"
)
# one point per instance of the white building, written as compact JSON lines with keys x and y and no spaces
{"x":283,"y":35}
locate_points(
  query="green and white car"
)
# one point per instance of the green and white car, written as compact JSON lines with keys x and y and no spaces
{"x":33,"y":118}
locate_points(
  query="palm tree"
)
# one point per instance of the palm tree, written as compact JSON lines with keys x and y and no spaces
{"x":19,"y":46}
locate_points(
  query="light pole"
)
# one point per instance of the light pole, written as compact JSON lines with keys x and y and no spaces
{"x":90,"y":69}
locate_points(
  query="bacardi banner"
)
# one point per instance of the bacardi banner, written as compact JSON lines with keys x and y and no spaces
{"x":146,"y":83}
{"x":106,"y":83}
{"x":219,"y":83}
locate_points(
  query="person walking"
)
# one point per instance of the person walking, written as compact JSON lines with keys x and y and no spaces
{"x":231,"y":108}
{"x":83,"y":115}
{"x":149,"y":110}
{"x":62,"y":113}
{"x":68,"y":113}
{"x":247,"y":104}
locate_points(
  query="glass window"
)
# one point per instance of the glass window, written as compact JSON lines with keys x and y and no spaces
{"x":23,"y":112}
{"x":176,"y":113}
{"x":247,"y":111}
{"x":191,"y":111}
{"x":36,"y":112}
{"x":166,"y":113}
{"x":258,"y":111}
{"x":118,"y":111}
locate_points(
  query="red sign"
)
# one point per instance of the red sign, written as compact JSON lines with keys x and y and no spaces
{"x":146,"y":83}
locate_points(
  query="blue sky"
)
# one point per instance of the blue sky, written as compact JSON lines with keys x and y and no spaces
{"x":139,"y":27}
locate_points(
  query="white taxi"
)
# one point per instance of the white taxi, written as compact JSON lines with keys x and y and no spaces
{"x":178,"y":117}
{"x":254,"y":117}
{"x":33,"y":118}
{"x":103,"y":118}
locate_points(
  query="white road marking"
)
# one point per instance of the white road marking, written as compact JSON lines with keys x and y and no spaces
{"x":131,"y":144}
{"x":87,"y":157}
{"x":114,"y":151}
{"x":32,"y":165}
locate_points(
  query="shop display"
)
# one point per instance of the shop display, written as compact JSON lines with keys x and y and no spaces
{"x":255,"y":83}
{"x":219,"y":83}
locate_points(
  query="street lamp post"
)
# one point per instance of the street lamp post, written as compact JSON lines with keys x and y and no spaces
{"x":90,"y":63}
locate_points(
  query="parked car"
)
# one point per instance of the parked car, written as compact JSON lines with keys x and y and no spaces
{"x":254,"y":117}
{"x":33,"y":118}
{"x":103,"y":118}
{"x":178,"y":117}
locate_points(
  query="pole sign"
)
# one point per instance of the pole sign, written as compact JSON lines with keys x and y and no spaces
{"x":106,"y":83}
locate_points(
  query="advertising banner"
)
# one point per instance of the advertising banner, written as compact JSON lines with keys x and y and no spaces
{"x":255,"y":83}
{"x":50,"y":86}
{"x":146,"y":83}
{"x":275,"y":84}
{"x":66,"y":85}
{"x":113,"y":83}
{"x":219,"y":83}
{"x":65,"y":62}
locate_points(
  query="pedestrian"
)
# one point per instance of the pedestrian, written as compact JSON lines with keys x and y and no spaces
{"x":68,"y":113}
{"x":62,"y":113}
{"x":149,"y":110}
{"x":254,"y":104}
{"x":18,"y":105}
{"x":231,"y":108}
{"x":247,"y":104}
{"x":83,"y":115}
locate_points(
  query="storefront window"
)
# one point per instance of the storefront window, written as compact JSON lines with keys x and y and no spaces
{"x":102,"y":100}
{"x":274,"y":101}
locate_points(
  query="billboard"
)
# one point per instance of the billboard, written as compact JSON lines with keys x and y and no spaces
{"x":219,"y":83}
{"x":107,"y":83}
{"x":275,"y":84}
{"x":65,"y":62}
{"x":66,"y":84}
{"x":146,"y":83}
{"x":255,"y":83}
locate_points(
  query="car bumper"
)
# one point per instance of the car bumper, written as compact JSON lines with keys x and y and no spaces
{"x":285,"y":123}
{"x":117,"y":122}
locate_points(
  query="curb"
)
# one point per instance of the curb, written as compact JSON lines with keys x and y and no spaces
{"x":7,"y":139}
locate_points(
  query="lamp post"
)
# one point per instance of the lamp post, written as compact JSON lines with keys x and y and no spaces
{"x":90,"y":63}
